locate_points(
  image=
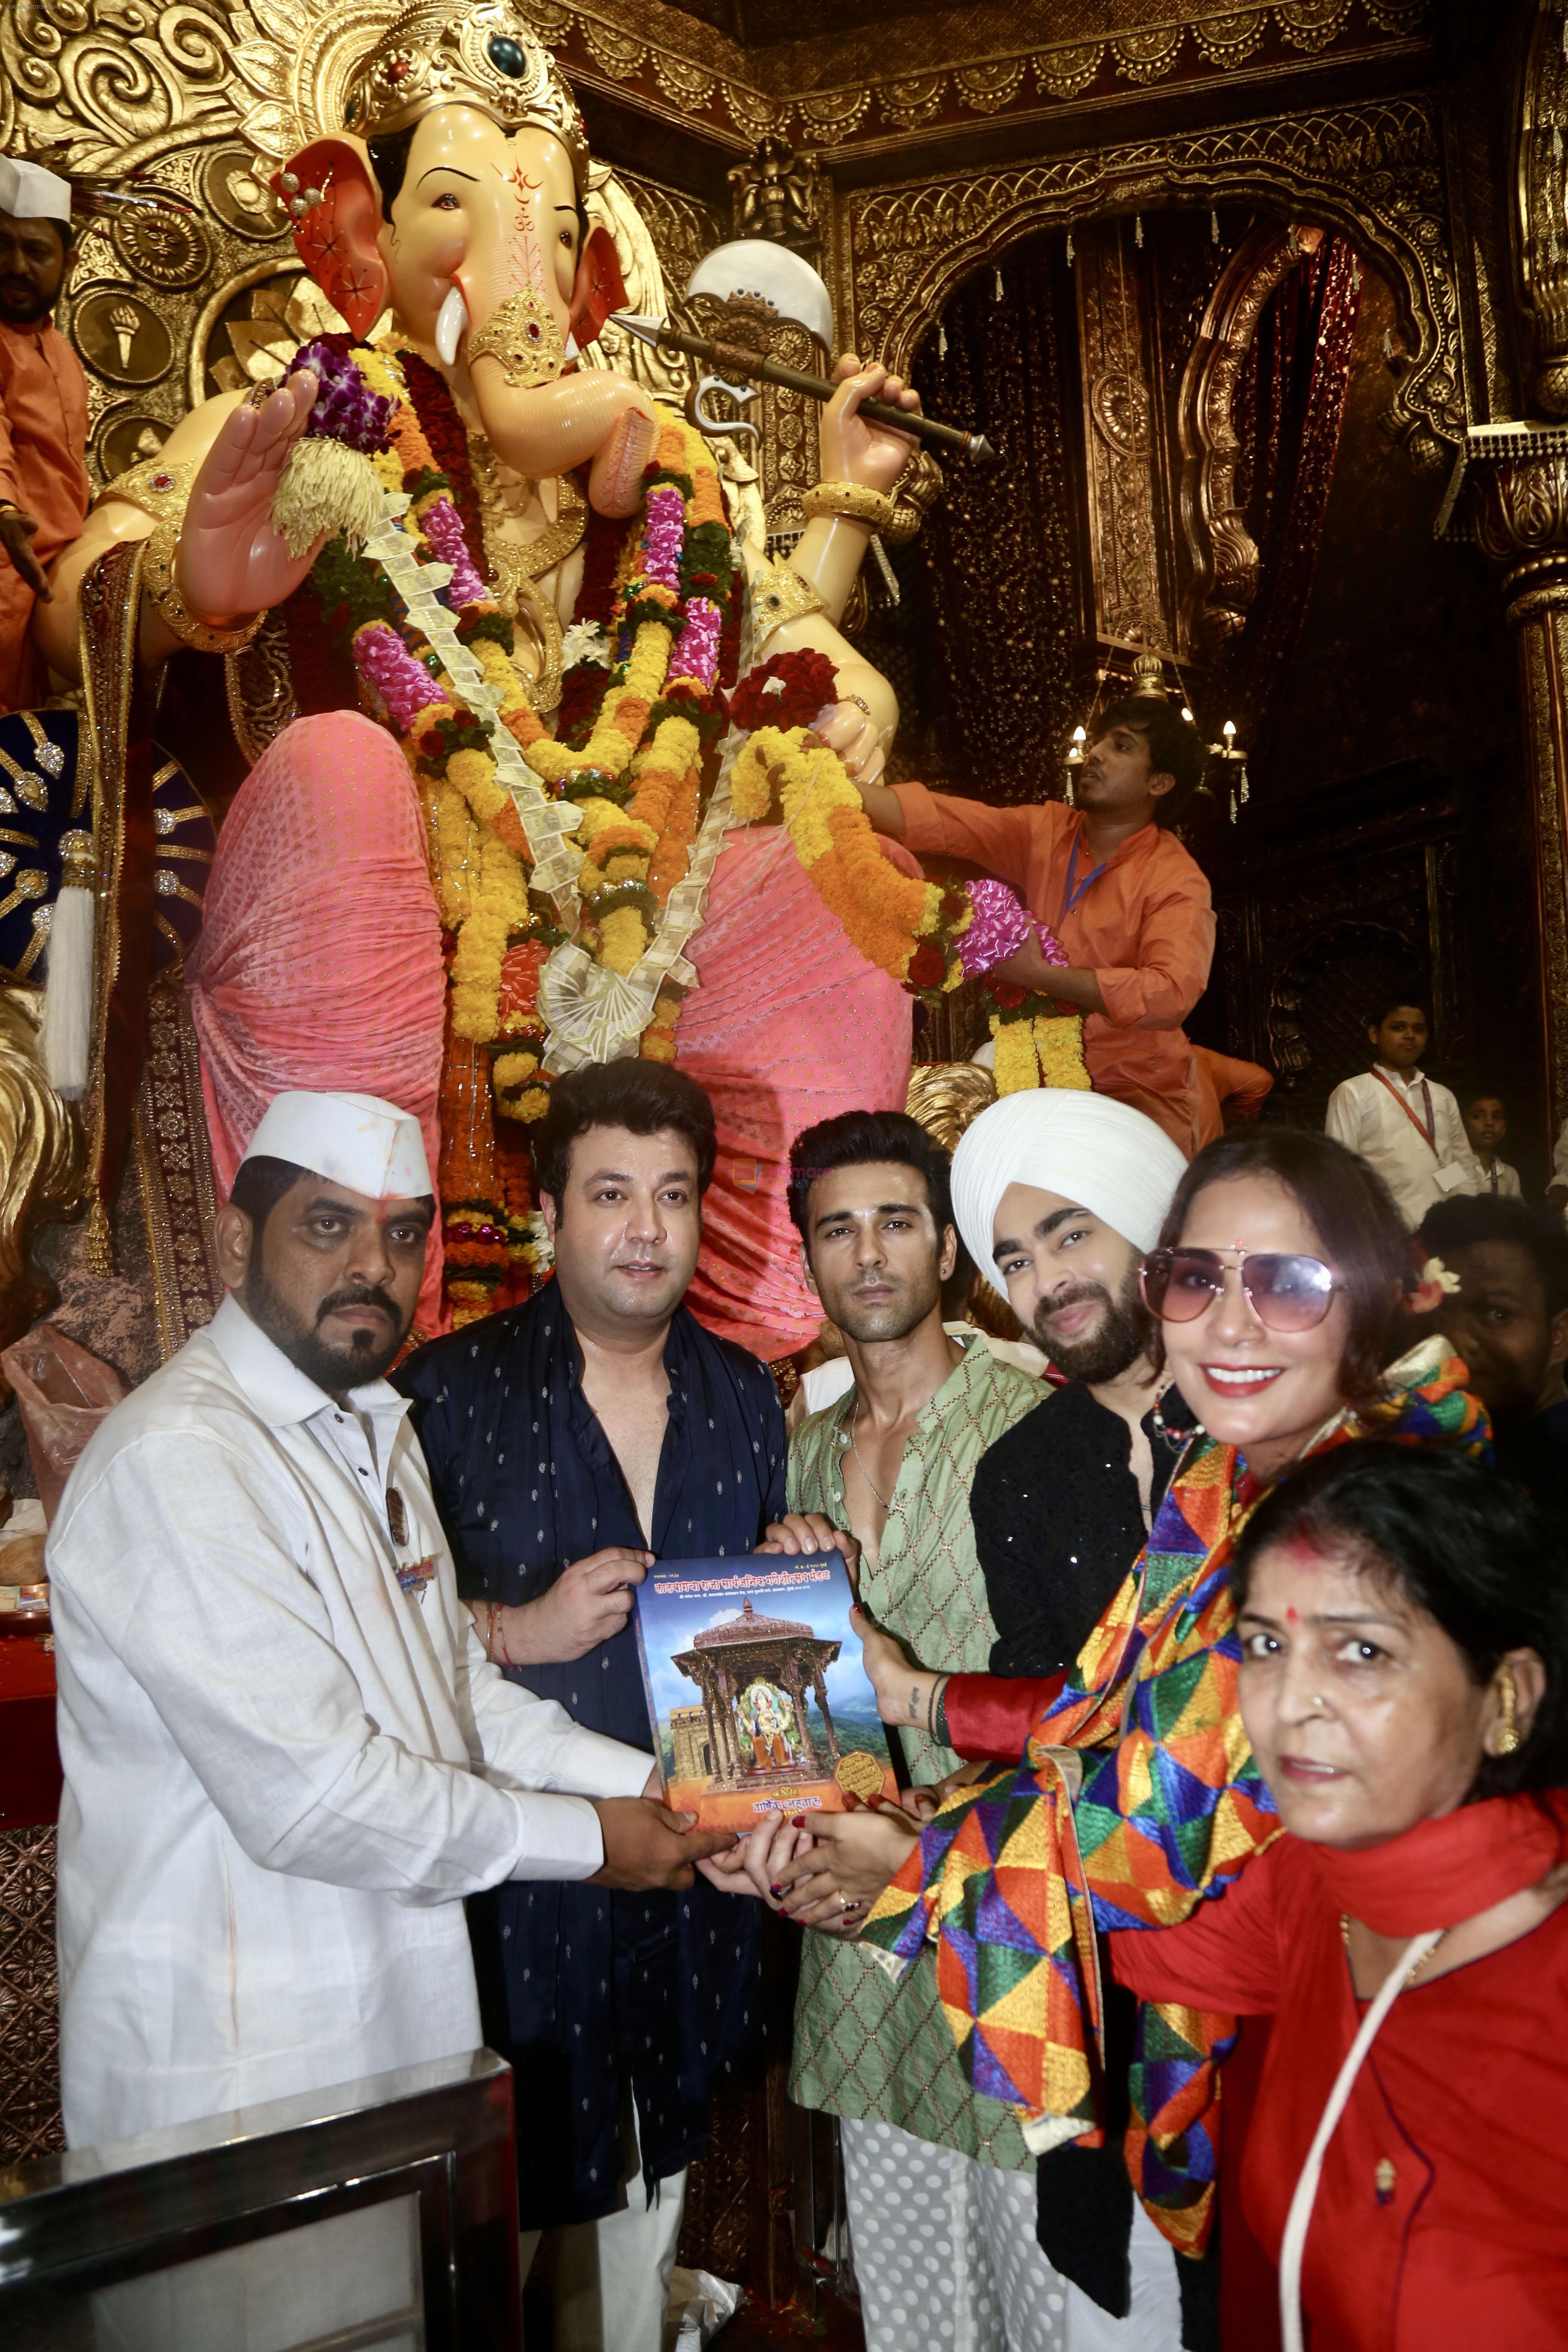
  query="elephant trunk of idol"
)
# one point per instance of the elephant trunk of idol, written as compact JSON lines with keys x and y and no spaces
{"x":545,"y":429}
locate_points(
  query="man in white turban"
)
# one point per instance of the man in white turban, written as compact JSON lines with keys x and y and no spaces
{"x":1058,"y":1197}
{"x":287,"y":1760}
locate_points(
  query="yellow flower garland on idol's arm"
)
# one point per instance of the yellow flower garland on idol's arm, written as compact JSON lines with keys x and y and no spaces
{"x":891,"y":918}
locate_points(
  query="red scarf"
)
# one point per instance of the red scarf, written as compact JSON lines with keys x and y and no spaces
{"x":1448,"y":1870}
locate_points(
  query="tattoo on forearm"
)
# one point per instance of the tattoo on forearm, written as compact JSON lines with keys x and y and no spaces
{"x":914,"y":1702}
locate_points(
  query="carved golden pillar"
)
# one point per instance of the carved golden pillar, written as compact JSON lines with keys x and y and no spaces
{"x":1517,"y":482}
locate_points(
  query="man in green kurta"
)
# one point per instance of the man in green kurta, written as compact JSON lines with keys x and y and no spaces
{"x":941,"y":2187}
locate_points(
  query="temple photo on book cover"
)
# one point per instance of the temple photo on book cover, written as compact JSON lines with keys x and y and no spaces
{"x":757,"y":1674}
{"x":781,"y":1711}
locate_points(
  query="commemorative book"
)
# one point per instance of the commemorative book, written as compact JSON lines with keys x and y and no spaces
{"x":756,"y":1694}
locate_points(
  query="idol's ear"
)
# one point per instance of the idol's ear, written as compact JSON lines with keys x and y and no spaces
{"x":335,"y":236}
{"x":598,"y":289}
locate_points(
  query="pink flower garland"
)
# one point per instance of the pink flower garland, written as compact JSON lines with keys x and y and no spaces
{"x":999,"y":929}
{"x":442,"y":528}
{"x":405,"y":685}
{"x":695,"y":653}
{"x":664,"y":537}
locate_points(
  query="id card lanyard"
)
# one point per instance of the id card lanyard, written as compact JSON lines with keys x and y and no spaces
{"x":1073,"y":896}
{"x":1428,"y":1132}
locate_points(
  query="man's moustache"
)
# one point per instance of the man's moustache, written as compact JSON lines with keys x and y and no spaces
{"x":361,"y":1297}
{"x":1077,"y":1294}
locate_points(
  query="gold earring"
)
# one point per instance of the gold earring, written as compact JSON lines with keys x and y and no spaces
{"x":1508,"y":1738}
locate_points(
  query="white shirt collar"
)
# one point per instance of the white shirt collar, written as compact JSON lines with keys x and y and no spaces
{"x":1415,"y":1078}
{"x":280,"y":1392}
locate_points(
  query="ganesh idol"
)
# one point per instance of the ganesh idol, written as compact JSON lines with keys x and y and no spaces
{"x":547,"y":764}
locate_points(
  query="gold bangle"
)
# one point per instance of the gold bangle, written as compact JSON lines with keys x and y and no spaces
{"x":158,"y":579}
{"x":852,"y":499}
{"x":521,"y":334}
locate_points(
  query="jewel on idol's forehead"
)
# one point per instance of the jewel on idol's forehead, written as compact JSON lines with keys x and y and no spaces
{"x":482,"y":53}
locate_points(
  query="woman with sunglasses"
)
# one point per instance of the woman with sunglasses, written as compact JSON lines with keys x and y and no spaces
{"x":1281,"y":1285}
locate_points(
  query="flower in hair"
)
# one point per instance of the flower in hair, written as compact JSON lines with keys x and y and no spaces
{"x":1434,"y":1283}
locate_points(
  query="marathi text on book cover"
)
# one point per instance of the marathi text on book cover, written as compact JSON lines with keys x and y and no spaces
{"x":757,"y":1696}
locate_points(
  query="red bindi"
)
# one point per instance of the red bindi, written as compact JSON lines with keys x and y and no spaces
{"x":1290,"y":1617}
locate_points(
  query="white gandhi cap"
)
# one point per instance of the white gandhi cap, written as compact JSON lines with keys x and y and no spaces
{"x":354,"y":1139}
{"x":29,"y":193}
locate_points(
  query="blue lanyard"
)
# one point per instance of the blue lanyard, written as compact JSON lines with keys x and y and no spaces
{"x":1074,"y":896}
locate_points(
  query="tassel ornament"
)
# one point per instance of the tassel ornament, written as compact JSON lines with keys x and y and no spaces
{"x":324,"y":488}
{"x":65,"y":1036}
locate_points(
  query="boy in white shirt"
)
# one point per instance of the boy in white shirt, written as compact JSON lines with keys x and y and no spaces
{"x":1486,"y":1126}
{"x":1400,"y":1120}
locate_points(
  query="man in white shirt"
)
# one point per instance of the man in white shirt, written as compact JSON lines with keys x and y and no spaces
{"x":1403,"y":1123}
{"x":287,"y":1760}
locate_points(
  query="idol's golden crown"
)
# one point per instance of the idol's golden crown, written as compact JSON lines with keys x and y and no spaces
{"x":484,"y":53}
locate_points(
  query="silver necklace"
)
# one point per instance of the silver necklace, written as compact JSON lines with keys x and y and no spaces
{"x":854,"y":1425}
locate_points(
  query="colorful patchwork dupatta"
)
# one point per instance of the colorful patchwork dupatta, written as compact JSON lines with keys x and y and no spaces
{"x":1137,"y":1799}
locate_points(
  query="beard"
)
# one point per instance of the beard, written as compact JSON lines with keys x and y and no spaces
{"x":1111,"y":1347}
{"x":363,"y":1359}
{"x":21,"y":305}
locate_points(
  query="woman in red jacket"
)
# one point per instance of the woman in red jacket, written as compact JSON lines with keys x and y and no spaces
{"x":1404,"y":1621}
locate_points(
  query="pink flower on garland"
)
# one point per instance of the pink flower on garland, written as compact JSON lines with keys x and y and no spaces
{"x":695,"y":653}
{"x":664,"y":537}
{"x":444,"y":529}
{"x":999,"y":929}
{"x":405,"y":685}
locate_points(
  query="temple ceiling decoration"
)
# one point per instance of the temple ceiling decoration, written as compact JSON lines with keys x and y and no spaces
{"x":125,"y":79}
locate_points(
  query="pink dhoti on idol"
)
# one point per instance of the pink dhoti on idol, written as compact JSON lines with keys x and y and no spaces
{"x":788,"y":1024}
{"x":319,"y":969}
{"x":318,"y":965}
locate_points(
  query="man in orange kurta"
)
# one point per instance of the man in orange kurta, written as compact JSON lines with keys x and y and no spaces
{"x":43,"y":416}
{"x":1127,"y":903}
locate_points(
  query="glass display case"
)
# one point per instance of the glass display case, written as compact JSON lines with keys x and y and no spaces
{"x":379,"y":2216}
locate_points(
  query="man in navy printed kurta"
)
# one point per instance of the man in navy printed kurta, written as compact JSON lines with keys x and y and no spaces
{"x":542,"y":1459}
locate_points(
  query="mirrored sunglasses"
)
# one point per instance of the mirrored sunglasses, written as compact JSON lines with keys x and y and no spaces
{"x":1286,"y":1293}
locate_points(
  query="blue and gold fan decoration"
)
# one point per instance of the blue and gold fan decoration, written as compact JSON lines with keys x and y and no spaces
{"x":45,"y":820}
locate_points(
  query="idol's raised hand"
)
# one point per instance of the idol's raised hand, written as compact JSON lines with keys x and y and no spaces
{"x":230,"y":561}
{"x":853,"y":450}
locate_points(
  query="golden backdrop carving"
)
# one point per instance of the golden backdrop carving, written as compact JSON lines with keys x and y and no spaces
{"x":1371,"y":170}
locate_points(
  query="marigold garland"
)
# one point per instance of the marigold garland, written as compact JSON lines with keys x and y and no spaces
{"x":633,"y":757}
{"x":637,"y":745}
{"x":909,"y":929}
